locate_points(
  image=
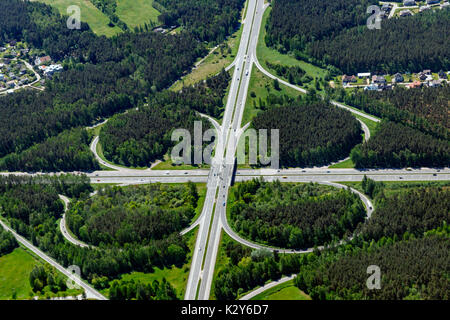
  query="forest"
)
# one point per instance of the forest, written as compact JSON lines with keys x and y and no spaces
{"x":411,"y":269}
{"x":296,"y":216}
{"x":312,"y":132}
{"x":207,"y":20}
{"x":32,"y":207}
{"x":247,"y":269}
{"x":397,"y":146}
{"x":294,"y":74}
{"x":335,"y":33}
{"x":135,"y":290}
{"x":111,"y":218}
{"x":68,"y":151}
{"x":413,"y":211}
{"x":425,"y":109}
{"x":139,"y":137}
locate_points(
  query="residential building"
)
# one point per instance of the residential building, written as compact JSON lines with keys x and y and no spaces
{"x":442,"y":74}
{"x":424,"y":8}
{"x":52,"y":69}
{"x":372,"y":87}
{"x":433,"y":1}
{"x":364,"y":75}
{"x":427,"y":72}
{"x":398,"y":78}
{"x":408,"y":3}
{"x":422,"y":76}
{"x":434,"y":83}
{"x":41,"y":60}
{"x":347,"y":79}
{"x":378,"y":79}
{"x":415,"y":84}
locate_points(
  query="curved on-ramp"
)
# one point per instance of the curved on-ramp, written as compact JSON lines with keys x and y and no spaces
{"x":63,"y":225}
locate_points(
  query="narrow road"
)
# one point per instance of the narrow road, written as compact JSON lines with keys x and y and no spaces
{"x":63,"y":225}
{"x":90,"y":291}
{"x":265,"y":287}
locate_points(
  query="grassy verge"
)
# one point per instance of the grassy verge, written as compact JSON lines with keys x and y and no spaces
{"x":136,"y":12}
{"x":222,"y":260}
{"x":273,"y":56}
{"x":212,"y":64}
{"x":343,"y":165}
{"x":167,"y":164}
{"x":96,"y":19}
{"x":284,"y":291}
{"x":259,"y":89}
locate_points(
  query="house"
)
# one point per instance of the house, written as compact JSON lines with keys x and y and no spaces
{"x":408,"y":3}
{"x":415,"y":84}
{"x":424,"y":8}
{"x":433,"y":1}
{"x":434,"y":83}
{"x":442,"y":74}
{"x":2,"y":49}
{"x":52,"y":69}
{"x":386,"y":7}
{"x":11,"y":84}
{"x":364,"y":75}
{"x":422,"y":76}
{"x":13,"y":43}
{"x":347,"y":79}
{"x":405,"y":13}
{"x":378,"y":79}
{"x":427,"y":72}
{"x":42,"y":60}
{"x":398,"y":78}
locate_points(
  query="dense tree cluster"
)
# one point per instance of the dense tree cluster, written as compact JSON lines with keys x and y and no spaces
{"x":410,"y":269}
{"x":294,"y":23}
{"x":155,"y":211}
{"x":311,"y":133}
{"x":248,"y":269}
{"x":294,"y":74}
{"x":295,"y":216}
{"x":334,"y":32}
{"x":396,"y":145}
{"x":7,"y":242}
{"x":68,"y":151}
{"x":414,"y":211}
{"x":139,"y":137}
{"x":412,"y":44}
{"x":208,"y":20}
{"x":109,"y":7}
{"x":425,"y":109}
{"x":136,"y":290}
{"x":45,"y":276}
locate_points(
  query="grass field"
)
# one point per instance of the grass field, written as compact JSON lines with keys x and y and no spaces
{"x":273,"y":56}
{"x":89,"y":14}
{"x":261,"y":86}
{"x":212,"y":64}
{"x":136,"y":12}
{"x":343,"y":165}
{"x":15,"y":271}
{"x":284,"y":291}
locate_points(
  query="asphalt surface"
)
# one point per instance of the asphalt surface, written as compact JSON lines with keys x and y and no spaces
{"x":63,"y":226}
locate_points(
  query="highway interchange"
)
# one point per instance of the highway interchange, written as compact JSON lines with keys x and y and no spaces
{"x":219,"y":178}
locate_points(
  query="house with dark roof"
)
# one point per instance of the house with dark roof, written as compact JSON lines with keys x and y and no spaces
{"x":346,"y":79}
{"x":422,"y":76}
{"x":432,"y":1}
{"x":398,"y":78}
{"x":442,"y":74}
{"x":378,"y":79}
{"x":408,"y":3}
